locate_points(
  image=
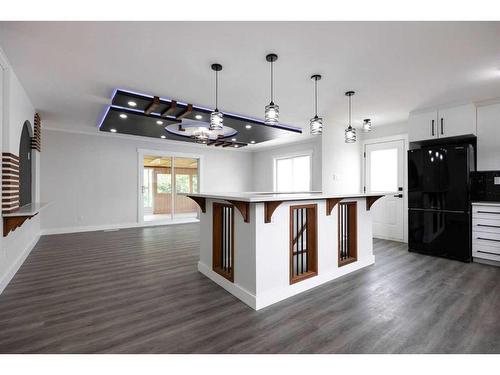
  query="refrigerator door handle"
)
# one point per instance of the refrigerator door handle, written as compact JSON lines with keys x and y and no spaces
{"x":432,"y":127}
{"x":442,"y":126}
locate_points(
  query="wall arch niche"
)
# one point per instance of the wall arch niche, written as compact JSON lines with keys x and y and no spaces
{"x":25,"y":165}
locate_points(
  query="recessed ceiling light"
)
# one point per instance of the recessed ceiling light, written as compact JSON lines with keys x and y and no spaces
{"x":252,"y":142}
{"x":132,"y":104}
{"x":112,"y":130}
{"x":248,"y":126}
{"x":163,"y":137}
{"x":198,"y":117}
{"x":159,"y":122}
{"x":236,"y":146}
{"x":233,"y":139}
{"x":123,"y":115}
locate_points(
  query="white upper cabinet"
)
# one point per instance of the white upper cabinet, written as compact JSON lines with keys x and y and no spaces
{"x":457,"y":121}
{"x":422,"y":126}
{"x":445,"y":122}
{"x":488,"y":136}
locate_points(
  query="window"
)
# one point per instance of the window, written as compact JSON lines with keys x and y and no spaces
{"x":292,"y":173}
{"x":384,"y":170}
{"x":194,"y":183}
{"x":182,"y":183}
{"x":163,"y":183}
{"x":146,"y":186}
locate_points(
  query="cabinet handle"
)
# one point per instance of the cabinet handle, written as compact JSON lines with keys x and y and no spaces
{"x":488,"y":212}
{"x":487,"y":239}
{"x":432,"y":127}
{"x":398,"y":196}
{"x":489,"y":226}
{"x":442,"y":126}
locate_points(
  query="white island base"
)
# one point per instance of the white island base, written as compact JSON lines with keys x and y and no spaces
{"x":308,"y":240}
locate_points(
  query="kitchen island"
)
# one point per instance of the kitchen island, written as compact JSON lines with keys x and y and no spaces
{"x":266,"y":247}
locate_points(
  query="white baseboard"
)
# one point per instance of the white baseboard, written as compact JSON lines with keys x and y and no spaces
{"x":5,"y":280}
{"x":236,"y":290}
{"x":94,"y":228}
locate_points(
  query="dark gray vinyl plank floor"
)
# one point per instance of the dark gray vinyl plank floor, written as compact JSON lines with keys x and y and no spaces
{"x":138,"y":291}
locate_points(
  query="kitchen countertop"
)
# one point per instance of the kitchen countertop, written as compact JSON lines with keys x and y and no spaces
{"x":273,"y":196}
{"x":485,"y":203}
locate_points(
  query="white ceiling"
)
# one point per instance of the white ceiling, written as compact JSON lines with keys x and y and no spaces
{"x":70,"y":69}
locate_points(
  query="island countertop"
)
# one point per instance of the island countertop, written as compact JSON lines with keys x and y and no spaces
{"x":257,"y":197}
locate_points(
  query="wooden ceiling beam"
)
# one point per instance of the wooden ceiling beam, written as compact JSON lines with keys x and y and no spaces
{"x":153,"y":105}
{"x":170,"y":109}
{"x":186,"y":111}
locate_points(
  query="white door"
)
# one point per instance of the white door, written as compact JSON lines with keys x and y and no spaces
{"x":384,"y":172}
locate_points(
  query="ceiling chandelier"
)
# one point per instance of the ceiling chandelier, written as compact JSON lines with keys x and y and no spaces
{"x":272,"y":112}
{"x":367,"y":125}
{"x":350,"y":132}
{"x":216,"y":117}
{"x":201,"y":135}
{"x":316,"y":123}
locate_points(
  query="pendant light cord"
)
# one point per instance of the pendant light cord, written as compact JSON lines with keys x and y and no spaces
{"x":216,"y":91}
{"x":316,"y":97}
{"x":272,"y":81}
{"x":349,"y":110}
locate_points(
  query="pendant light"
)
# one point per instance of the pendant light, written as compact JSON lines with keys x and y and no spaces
{"x":216,"y":117}
{"x":367,"y":125}
{"x":272,"y":110}
{"x":350,"y":132}
{"x":316,"y":123}
{"x":201,"y":135}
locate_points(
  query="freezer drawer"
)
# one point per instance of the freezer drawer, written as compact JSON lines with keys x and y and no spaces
{"x":445,"y":234}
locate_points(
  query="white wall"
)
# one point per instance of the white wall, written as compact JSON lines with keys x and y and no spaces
{"x":17,"y":108}
{"x":386,"y":131}
{"x":91,"y":180}
{"x":341,"y":162}
{"x":263,"y":163}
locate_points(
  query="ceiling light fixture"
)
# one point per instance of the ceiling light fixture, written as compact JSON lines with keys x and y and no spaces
{"x":201,"y":135}
{"x":233,"y":139}
{"x":350,"y":132}
{"x":236,"y":146}
{"x":112,"y":130}
{"x":159,"y":122}
{"x":367,"y":125}
{"x":316,"y":123}
{"x":198,"y":117}
{"x":252,"y":142}
{"x":272,"y":112}
{"x":248,"y":126}
{"x":163,"y":137}
{"x":132,"y":104}
{"x":216,"y":117}
{"x":123,"y":115}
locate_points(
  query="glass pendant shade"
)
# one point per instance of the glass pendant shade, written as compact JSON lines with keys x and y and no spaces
{"x":316,"y":125}
{"x":272,"y":114}
{"x":350,"y":135}
{"x":272,"y":111}
{"x":201,"y":135}
{"x":216,"y":120}
{"x":216,"y":117}
{"x":367,"y":125}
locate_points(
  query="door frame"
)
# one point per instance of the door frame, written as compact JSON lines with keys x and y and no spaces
{"x":141,"y":152}
{"x":398,"y":137}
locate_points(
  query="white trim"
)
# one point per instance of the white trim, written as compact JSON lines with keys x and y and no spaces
{"x":398,"y":137}
{"x":290,"y":155}
{"x":236,"y":290}
{"x":94,"y":228}
{"x":5,"y":280}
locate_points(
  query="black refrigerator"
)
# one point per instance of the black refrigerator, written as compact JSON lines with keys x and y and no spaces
{"x":439,"y":210}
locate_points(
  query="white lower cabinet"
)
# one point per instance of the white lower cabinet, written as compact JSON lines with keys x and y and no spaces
{"x":486,"y":231}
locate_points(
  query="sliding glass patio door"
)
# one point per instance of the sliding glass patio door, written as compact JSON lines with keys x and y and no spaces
{"x":164,"y":180}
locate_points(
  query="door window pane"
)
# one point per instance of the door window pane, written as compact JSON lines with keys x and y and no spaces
{"x":293,"y":174}
{"x":194,"y":184}
{"x":384,"y":170}
{"x":182,"y":183}
{"x":147,"y":191}
{"x":163,"y":183}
